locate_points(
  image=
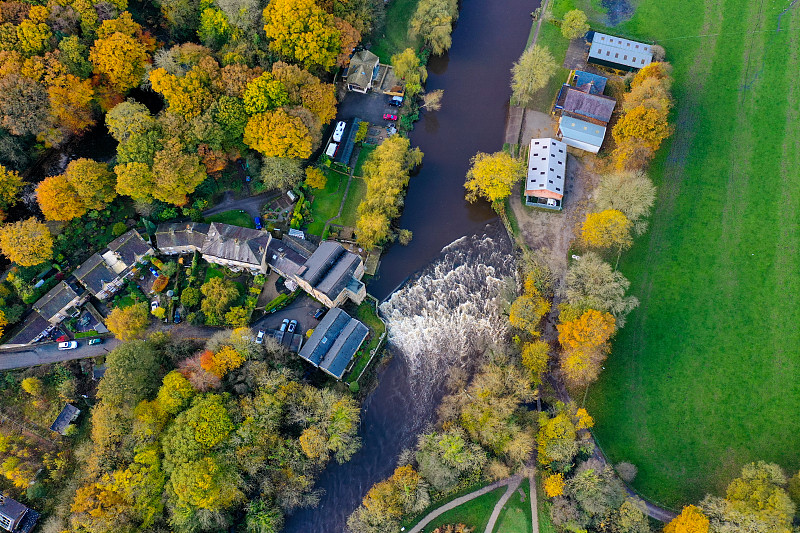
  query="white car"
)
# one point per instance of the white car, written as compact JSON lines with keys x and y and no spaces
{"x":68,"y":345}
{"x":339,"y":131}
{"x":260,"y":337}
{"x":154,"y":305}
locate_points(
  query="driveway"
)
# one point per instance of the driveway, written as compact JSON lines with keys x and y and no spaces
{"x":49,"y":353}
{"x":301,"y":310}
{"x":251,"y":205}
{"x":369,"y":107}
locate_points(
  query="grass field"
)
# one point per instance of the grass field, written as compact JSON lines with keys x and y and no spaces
{"x":706,"y":374}
{"x":326,"y":201}
{"x":516,"y":515}
{"x":394,"y":37}
{"x":234,"y":218}
{"x":357,"y":192}
{"x":475,"y":513}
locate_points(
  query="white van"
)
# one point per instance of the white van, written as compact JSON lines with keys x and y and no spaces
{"x":331,"y":150}
{"x":69,"y":345}
{"x":339,"y":131}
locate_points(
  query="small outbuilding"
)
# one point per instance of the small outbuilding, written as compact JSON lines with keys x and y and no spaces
{"x":66,"y":417}
{"x":547,"y":164}
{"x":581,"y":134}
{"x":619,"y":53}
{"x":585,"y":106}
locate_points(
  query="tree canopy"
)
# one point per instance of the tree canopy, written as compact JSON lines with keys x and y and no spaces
{"x":530,"y":73}
{"x":491,"y":176}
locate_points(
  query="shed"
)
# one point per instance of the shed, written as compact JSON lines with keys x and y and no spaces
{"x":67,"y":415}
{"x":547,"y":161}
{"x":619,"y":53}
{"x":581,"y":134}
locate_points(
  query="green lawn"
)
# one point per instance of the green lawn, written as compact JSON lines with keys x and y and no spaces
{"x":394,"y":37}
{"x":357,"y":192}
{"x":516,"y":515}
{"x":363,"y":154}
{"x":326,"y":201}
{"x":706,"y":375}
{"x":366,"y":314}
{"x":475,"y":513}
{"x":235,"y":217}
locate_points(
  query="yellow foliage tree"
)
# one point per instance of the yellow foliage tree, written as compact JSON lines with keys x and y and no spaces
{"x":591,"y":330}
{"x":316,"y":178}
{"x":223,"y":361}
{"x":128,"y":323}
{"x":301,"y":30}
{"x":492,"y":175}
{"x":584,"y":420}
{"x":93,"y":182}
{"x":26,"y":242}
{"x":58,"y":199}
{"x":527,"y":311}
{"x":691,"y":520}
{"x":277,"y":134}
{"x":535,"y":356}
{"x":648,"y":124}
{"x":554,"y":485}
{"x":135,"y":180}
{"x":10,"y":184}
{"x":120,"y":53}
{"x":33,"y":386}
{"x":607,"y":229}
{"x":188,"y":95}
{"x":71,"y":102}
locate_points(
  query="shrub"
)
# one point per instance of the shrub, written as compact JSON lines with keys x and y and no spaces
{"x":118,"y":229}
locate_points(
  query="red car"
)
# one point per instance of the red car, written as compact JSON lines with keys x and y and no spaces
{"x":389,"y":116}
{"x":62,"y":338}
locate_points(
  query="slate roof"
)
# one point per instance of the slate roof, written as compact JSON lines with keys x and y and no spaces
{"x":582,"y":131}
{"x":362,"y":68}
{"x":181,"y":234}
{"x":594,"y":106}
{"x":233,"y":243}
{"x":334,"y":342}
{"x":11,"y":508}
{"x":64,"y":418}
{"x":285,"y":258}
{"x":596,"y":84}
{"x":630,"y":54}
{"x":94,"y":274}
{"x":129,"y":247}
{"x":330,"y":268}
{"x":56,"y":299}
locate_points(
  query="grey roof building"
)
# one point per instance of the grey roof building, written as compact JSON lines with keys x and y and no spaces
{"x":95,"y":275}
{"x":619,"y":53}
{"x":581,"y":134}
{"x":334,"y":342}
{"x":16,"y":517}
{"x":587,"y":106}
{"x":67,"y":415}
{"x":236,"y":247}
{"x":181,"y":238}
{"x":547,"y":166}
{"x":362,"y":71}
{"x":125,"y":251}
{"x":333,"y":274}
{"x":59,"y":301}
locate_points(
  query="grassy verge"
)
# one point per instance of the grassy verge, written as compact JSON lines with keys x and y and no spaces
{"x":700,"y":380}
{"x":543,"y":509}
{"x":394,"y":38}
{"x":357,"y":192}
{"x":516,"y":515}
{"x":363,"y":154}
{"x":474,"y":513}
{"x":235,"y":217}
{"x":366,"y":314}
{"x":593,"y":8}
{"x":550,"y":37}
{"x":326,"y":201}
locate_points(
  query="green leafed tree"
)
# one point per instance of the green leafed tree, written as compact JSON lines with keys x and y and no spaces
{"x":530,"y":73}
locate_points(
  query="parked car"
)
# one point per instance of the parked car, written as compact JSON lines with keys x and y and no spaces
{"x":260,"y":337}
{"x":339,"y":131}
{"x":69,"y":345}
{"x":396,"y":101}
{"x":62,"y":338}
{"x":389,"y":116}
{"x":92,"y":342}
{"x":292,"y":326}
{"x":319,"y":313}
{"x":154,"y":305}
{"x":257,"y":222}
{"x":153,"y":271}
{"x":177,"y":318}
{"x":332,"y":150}
{"x":284,"y":324}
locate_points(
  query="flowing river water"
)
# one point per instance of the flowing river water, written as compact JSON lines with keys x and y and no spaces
{"x":457,"y":266}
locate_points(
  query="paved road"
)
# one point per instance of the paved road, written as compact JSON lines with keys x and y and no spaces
{"x":301,"y":310}
{"x":251,"y":205}
{"x":498,"y":507}
{"x":49,"y":353}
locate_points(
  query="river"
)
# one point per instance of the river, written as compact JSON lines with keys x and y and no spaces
{"x":489,"y":37}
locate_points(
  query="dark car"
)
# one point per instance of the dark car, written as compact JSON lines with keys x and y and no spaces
{"x":257,"y":222}
{"x":319,"y":313}
{"x":292,"y":326}
{"x":92,"y":342}
{"x":177,"y":318}
{"x":396,"y":101}
{"x":389,"y":116}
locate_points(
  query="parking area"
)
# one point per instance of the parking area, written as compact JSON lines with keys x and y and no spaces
{"x":302,"y":310}
{"x":370,"y":107}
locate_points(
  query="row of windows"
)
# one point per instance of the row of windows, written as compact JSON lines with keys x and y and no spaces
{"x":627,"y":43}
{"x":616,"y":56}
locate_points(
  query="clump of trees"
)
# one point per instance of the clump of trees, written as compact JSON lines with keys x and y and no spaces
{"x":433,"y":21}
{"x":644,"y":123}
{"x":386,"y":174}
{"x":230,"y":430}
{"x":530,"y":73}
{"x":491,"y":176}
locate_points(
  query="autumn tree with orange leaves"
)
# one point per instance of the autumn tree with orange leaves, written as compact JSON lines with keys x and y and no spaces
{"x":691,"y":520}
{"x":585,"y":346}
{"x":607,"y":229}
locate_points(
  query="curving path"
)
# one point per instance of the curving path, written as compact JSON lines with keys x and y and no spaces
{"x":452,"y":504}
{"x":514,"y":482}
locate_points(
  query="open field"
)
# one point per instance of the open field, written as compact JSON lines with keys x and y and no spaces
{"x":474,"y":513}
{"x":394,"y":38}
{"x":706,"y":374}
